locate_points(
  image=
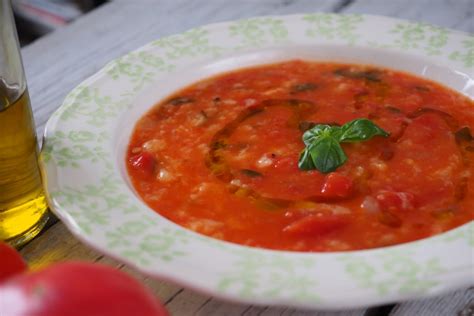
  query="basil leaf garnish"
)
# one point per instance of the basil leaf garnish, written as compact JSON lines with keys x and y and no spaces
{"x":323,"y":150}
{"x":306,"y":162}
{"x":327,"y":154}
{"x":359,"y":130}
{"x":319,"y":130}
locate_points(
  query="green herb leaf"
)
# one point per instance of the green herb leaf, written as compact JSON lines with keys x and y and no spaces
{"x":360,"y":130}
{"x":327,"y":155}
{"x":323,"y":150}
{"x":306,"y":162}
{"x":313,"y":134}
{"x":324,"y":154}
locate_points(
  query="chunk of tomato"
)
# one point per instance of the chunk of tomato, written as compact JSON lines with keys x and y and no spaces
{"x":285,"y":164}
{"x":395,"y":201}
{"x":336,"y":185}
{"x":317,"y":224}
{"x":143,"y":162}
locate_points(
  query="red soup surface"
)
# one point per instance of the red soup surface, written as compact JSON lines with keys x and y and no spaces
{"x":220,"y":157}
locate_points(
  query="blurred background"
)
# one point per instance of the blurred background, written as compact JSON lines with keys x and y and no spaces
{"x":36,"y":18}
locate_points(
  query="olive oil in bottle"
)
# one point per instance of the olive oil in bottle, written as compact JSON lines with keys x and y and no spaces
{"x":23,"y":206}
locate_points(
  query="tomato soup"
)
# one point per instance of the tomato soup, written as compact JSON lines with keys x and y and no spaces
{"x":221,"y":157}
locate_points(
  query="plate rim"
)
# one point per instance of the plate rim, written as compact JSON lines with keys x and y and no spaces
{"x":78,"y":233}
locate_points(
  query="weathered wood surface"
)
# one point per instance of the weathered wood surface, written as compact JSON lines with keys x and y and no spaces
{"x":58,"y":62}
{"x":460,"y":303}
{"x":455,"y":14}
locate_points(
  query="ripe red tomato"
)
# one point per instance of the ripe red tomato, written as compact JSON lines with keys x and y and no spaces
{"x":77,"y":289}
{"x":336,"y":185}
{"x":395,"y":201}
{"x":11,"y":262}
{"x":143,"y":162}
{"x":316,"y":224}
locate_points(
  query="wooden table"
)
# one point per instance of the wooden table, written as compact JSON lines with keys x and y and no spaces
{"x":56,"y":63}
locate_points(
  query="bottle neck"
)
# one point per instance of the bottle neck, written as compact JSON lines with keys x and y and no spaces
{"x":12,"y":77}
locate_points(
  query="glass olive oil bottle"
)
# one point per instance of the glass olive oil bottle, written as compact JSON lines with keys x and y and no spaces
{"x":23,"y":208}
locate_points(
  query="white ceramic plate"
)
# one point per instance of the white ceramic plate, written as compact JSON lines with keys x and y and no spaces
{"x":88,"y":188}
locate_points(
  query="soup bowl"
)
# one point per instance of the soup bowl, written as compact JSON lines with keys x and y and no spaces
{"x":88,"y":188}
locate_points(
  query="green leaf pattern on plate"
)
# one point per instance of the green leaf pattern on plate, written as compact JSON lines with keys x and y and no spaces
{"x":155,"y":244}
{"x":192,"y":43}
{"x":95,"y":106}
{"x":70,"y":149}
{"x":331,"y":26}
{"x":395,"y":271}
{"x":271,"y":276}
{"x":467,"y":56}
{"x":140,"y":68}
{"x":424,"y":36}
{"x":90,"y":203}
{"x":256,"y":32}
